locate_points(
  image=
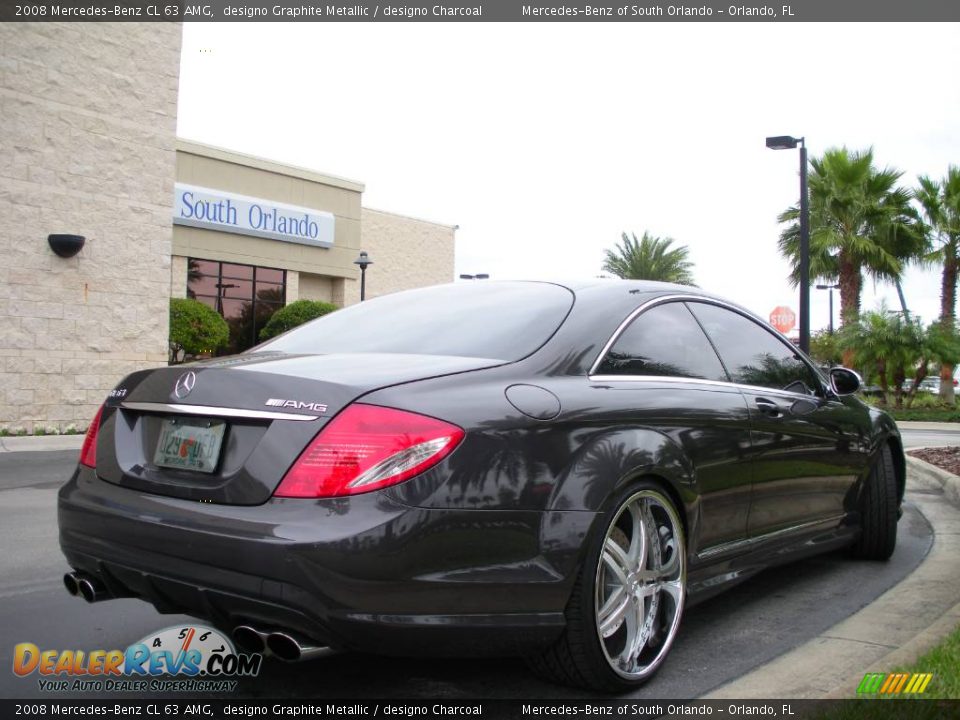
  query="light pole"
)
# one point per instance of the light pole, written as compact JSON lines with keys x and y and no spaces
{"x":478,"y":276}
{"x":222,"y":288}
{"x":364,"y":262}
{"x":831,"y":288}
{"x":786,"y":142}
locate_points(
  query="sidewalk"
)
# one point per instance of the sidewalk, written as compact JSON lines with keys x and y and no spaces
{"x":895,"y":629}
{"x":40,"y":443}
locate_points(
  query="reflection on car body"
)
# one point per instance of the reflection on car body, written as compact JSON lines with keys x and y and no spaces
{"x":548,"y":470}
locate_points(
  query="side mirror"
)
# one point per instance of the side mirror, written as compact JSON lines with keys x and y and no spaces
{"x":844,"y":381}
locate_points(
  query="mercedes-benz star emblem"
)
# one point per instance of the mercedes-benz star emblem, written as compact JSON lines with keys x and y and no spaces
{"x":185,"y":384}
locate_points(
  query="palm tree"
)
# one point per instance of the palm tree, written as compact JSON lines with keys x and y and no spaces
{"x":882,"y":344}
{"x":860,"y":222}
{"x":940,"y":203}
{"x":649,"y":258}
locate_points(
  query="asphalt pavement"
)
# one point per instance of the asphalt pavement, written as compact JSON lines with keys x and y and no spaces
{"x":719,"y":640}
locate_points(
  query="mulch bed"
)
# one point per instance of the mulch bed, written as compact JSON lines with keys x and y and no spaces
{"x":945,"y":458}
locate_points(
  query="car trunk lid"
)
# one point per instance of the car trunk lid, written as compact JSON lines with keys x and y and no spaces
{"x":226,"y":431}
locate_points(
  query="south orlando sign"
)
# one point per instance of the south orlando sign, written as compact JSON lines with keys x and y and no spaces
{"x":209,"y":209}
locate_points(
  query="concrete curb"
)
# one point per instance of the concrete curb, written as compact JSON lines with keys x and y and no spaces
{"x":893,"y":630}
{"x":932,"y":474}
{"x":42,"y":443}
{"x":918,"y":425}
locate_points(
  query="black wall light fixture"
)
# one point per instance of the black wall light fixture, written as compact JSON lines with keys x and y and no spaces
{"x":66,"y":246}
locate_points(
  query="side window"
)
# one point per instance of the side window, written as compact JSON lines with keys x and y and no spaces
{"x":664,"y":340}
{"x":752,"y":354}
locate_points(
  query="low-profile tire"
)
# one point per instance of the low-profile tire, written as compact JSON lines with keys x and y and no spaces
{"x":879,"y":506}
{"x":626,"y":605}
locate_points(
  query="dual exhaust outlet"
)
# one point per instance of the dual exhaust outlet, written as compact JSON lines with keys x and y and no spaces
{"x":286,"y":646}
{"x":89,"y":587}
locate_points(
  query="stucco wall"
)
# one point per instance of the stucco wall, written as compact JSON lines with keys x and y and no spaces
{"x":316,"y":287}
{"x":407,"y":253}
{"x":89,"y":118}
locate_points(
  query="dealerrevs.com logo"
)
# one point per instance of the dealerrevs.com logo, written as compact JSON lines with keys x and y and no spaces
{"x":178,"y":659}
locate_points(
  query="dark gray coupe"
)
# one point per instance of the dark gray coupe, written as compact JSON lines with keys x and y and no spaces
{"x":492,"y":467}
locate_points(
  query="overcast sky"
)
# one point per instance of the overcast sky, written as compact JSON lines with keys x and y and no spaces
{"x":544,"y":142}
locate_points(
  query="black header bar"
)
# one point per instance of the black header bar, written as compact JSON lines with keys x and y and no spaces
{"x":219,"y":709}
{"x":477,"y":11}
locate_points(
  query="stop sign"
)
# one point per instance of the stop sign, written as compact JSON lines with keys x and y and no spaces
{"x":783,"y":319}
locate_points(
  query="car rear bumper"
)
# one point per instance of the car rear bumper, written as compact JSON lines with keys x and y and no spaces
{"x":362,"y":573}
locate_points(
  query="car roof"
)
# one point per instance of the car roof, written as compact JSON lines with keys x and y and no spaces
{"x":617,"y":291}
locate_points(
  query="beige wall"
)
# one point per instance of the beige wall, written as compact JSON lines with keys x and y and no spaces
{"x":87,"y":147}
{"x":228,"y":171}
{"x":407,"y":253}
{"x":316,"y":287}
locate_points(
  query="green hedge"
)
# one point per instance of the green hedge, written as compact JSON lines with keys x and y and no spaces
{"x":296,"y":313}
{"x":195,"y":329}
{"x":925,"y":415}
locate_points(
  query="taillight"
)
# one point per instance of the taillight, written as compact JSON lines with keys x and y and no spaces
{"x":88,"y":452}
{"x":368,"y":447}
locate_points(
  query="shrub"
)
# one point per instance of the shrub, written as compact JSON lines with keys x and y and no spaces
{"x":825,"y":348}
{"x":195,"y":328}
{"x":296,"y":313}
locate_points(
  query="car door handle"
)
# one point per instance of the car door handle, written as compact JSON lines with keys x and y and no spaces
{"x":769,"y":408}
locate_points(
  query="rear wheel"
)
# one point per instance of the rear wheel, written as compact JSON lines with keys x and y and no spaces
{"x":626,"y":605}
{"x":878,"y":510}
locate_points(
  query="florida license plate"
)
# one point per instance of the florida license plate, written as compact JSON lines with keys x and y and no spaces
{"x":189,"y":443}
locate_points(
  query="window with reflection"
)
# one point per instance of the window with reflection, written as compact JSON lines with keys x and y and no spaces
{"x":245,"y":295}
{"x":663,"y":341}
{"x":752,"y":354}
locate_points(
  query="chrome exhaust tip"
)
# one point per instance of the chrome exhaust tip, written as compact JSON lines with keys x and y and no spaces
{"x":92,"y":590}
{"x":289,"y":648}
{"x":250,"y":639}
{"x":71,"y":583}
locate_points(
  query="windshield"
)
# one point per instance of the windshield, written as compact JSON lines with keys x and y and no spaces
{"x":497,"y":320}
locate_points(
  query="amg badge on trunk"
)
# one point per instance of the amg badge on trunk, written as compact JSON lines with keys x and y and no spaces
{"x":296,"y":404}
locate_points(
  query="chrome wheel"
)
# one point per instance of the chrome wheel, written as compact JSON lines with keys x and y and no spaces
{"x":640,"y":584}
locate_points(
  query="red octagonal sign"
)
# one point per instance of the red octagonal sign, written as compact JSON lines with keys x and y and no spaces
{"x":783,"y":319}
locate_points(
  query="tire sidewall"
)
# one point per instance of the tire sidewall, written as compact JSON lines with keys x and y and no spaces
{"x":586,"y":617}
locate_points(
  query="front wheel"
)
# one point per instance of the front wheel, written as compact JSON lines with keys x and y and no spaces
{"x":626,"y":605}
{"x":879,"y":510}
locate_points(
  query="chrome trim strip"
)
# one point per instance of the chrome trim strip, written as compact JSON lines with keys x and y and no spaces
{"x":747,"y":542}
{"x":659,"y":378}
{"x":700,"y":381}
{"x":214,"y":411}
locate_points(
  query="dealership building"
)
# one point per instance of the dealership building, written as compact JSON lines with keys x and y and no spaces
{"x":89,"y":149}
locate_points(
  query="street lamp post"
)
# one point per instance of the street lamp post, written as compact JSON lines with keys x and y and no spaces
{"x":831,"y":288}
{"x":786,"y":142}
{"x":364,"y":262}
{"x":222,"y":288}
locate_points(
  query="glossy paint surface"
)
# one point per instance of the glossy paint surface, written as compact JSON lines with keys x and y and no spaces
{"x":479,"y":553}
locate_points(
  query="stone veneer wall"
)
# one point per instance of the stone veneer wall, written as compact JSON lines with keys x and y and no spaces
{"x":407,"y":253}
{"x":87,"y":147}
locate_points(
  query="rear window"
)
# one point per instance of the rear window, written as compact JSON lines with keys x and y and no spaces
{"x":497,"y":320}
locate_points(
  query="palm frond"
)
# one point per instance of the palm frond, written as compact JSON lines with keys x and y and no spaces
{"x":649,"y":258}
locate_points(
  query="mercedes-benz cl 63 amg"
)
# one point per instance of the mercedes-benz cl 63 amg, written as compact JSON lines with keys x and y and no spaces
{"x":527,"y":468}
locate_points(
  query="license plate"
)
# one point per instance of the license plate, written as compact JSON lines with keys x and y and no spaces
{"x":189,"y":444}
